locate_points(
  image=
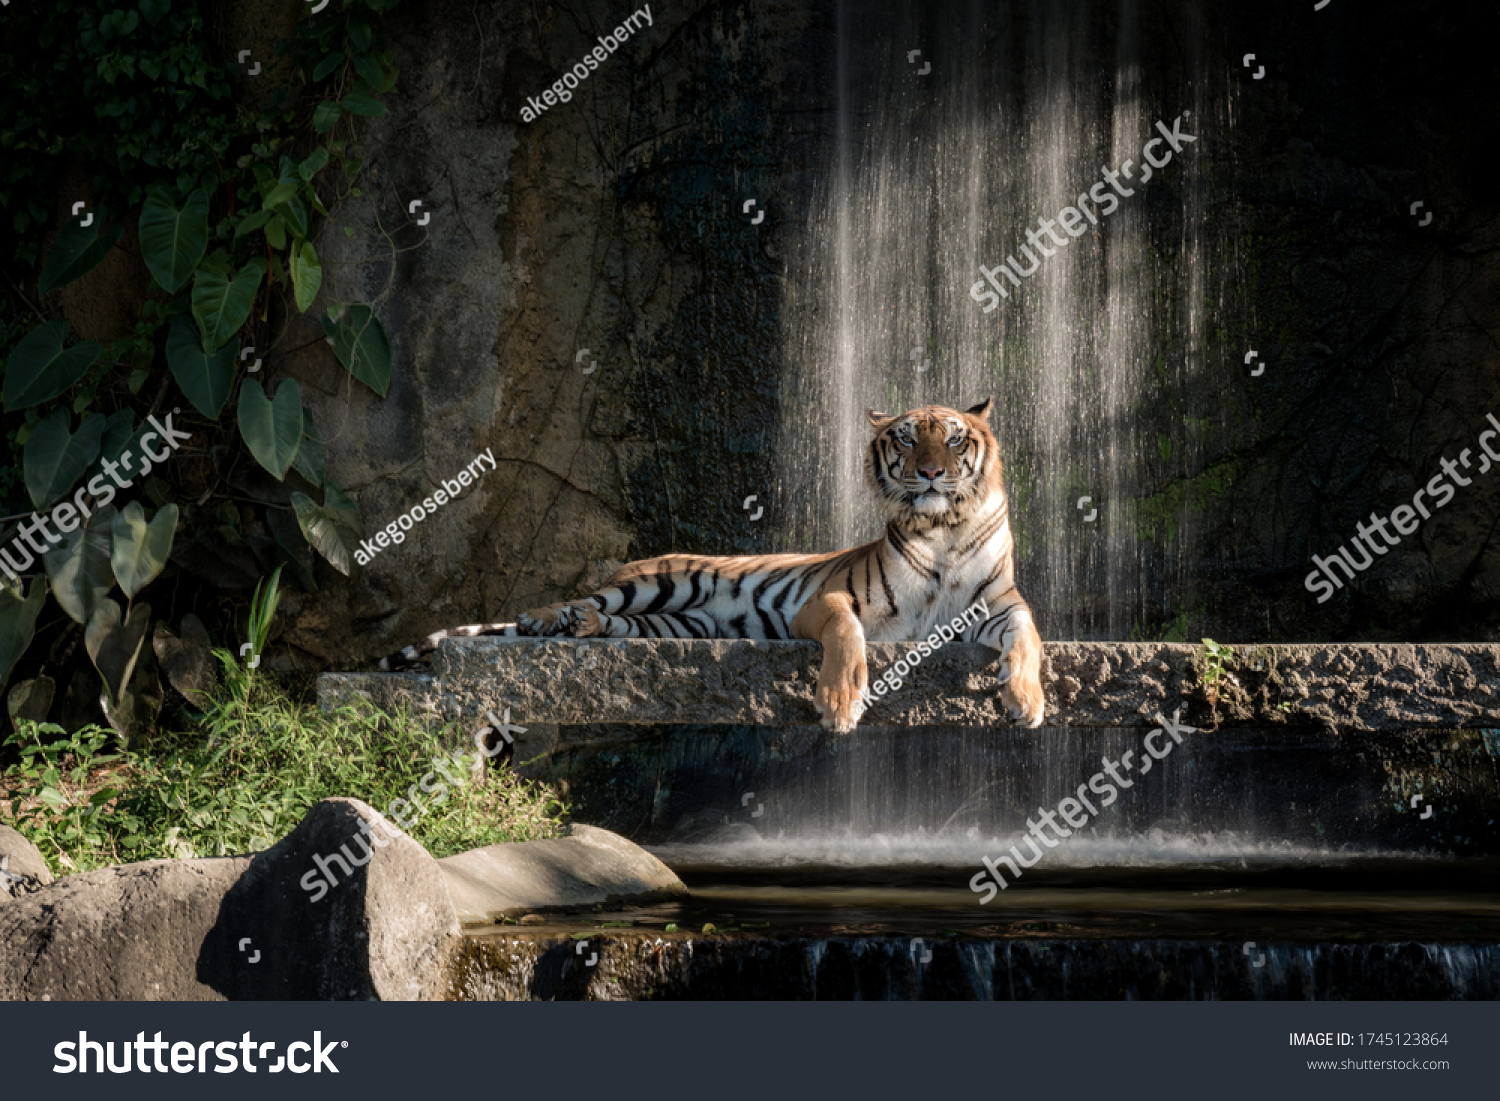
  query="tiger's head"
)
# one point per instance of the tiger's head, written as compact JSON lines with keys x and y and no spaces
{"x":934,"y":466}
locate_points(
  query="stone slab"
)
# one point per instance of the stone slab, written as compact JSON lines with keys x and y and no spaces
{"x":1357,"y":687}
{"x":588,"y":868}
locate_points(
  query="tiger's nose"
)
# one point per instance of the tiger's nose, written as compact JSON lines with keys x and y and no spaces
{"x":931,"y":473}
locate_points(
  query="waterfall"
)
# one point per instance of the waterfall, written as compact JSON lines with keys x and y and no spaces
{"x":1090,"y":359}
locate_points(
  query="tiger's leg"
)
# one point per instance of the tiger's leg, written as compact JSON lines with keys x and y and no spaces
{"x":1013,"y":632}
{"x":829,"y":618}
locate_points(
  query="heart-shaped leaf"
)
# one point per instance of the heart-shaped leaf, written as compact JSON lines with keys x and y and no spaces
{"x":114,"y":643}
{"x":272,"y":428}
{"x":54,"y":458}
{"x":307,"y":275}
{"x":140,"y":549}
{"x":206,"y":379}
{"x":188,"y":661}
{"x":333,"y":528}
{"x":17,"y":621}
{"x":76,"y":251}
{"x":309,"y":461}
{"x":222,"y":305}
{"x":79,"y":566}
{"x":41,"y":368}
{"x":173,"y":239}
{"x":362,"y":347}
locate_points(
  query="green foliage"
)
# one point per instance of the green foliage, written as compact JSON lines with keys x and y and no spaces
{"x":227,"y":198}
{"x":40,"y":368}
{"x":247,"y":777}
{"x":17,"y":621}
{"x":272,"y":427}
{"x":263,"y":611}
{"x":1216,"y":674}
{"x":139,"y":549}
{"x":48,"y":800}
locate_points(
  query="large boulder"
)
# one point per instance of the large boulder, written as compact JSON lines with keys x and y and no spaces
{"x":591,"y":867}
{"x":22,"y":869}
{"x":346,"y":906}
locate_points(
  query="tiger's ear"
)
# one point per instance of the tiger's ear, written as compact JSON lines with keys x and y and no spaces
{"x":879,"y":420}
{"x":982,"y":410}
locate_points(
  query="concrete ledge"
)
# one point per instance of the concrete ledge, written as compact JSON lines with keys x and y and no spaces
{"x":590,"y":867}
{"x":1358,"y":687}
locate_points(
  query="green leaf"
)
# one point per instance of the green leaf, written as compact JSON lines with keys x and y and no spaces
{"x":294,"y":210}
{"x":362,"y":347}
{"x":79,"y":567}
{"x":17,"y":622}
{"x":369,"y":70}
{"x":140,"y":549}
{"x":313,"y":165}
{"x":272,"y":428}
{"x":253,"y":222}
{"x":327,"y":65}
{"x":54,"y":457}
{"x":358,"y":104}
{"x":307,"y":275}
{"x":326,"y":116}
{"x":276,"y":232}
{"x":206,"y":379}
{"x":41,"y":368}
{"x":309,"y":461}
{"x":75,"y":252}
{"x":333,"y":528}
{"x":114,"y":643}
{"x":360,"y":32}
{"x":222,"y":305}
{"x":173,"y":240}
{"x":282,"y":192}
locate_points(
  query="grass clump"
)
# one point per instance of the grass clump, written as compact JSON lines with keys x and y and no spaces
{"x":244,"y":779}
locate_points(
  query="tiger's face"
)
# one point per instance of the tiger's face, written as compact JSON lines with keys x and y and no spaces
{"x":933,"y":466}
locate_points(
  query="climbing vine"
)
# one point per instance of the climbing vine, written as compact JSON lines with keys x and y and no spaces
{"x":224,"y":200}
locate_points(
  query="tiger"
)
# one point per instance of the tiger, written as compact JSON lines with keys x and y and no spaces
{"x":947,"y":547}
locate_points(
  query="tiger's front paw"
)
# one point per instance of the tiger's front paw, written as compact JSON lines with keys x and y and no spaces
{"x":1025,"y":700}
{"x":839,"y":708}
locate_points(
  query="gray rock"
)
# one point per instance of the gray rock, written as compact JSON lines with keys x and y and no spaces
{"x":241,"y":927}
{"x":590,"y":868}
{"x":22,"y":869}
{"x":1362,"y":687}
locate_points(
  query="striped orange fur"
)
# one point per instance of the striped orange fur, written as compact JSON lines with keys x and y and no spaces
{"x":936,"y":473}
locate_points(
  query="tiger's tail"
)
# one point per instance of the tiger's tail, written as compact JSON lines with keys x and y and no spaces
{"x":419,"y":650}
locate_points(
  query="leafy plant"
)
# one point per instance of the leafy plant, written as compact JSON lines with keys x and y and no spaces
{"x":1216,"y":674}
{"x":227,"y":199}
{"x":262,"y":611}
{"x":247,"y":780}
